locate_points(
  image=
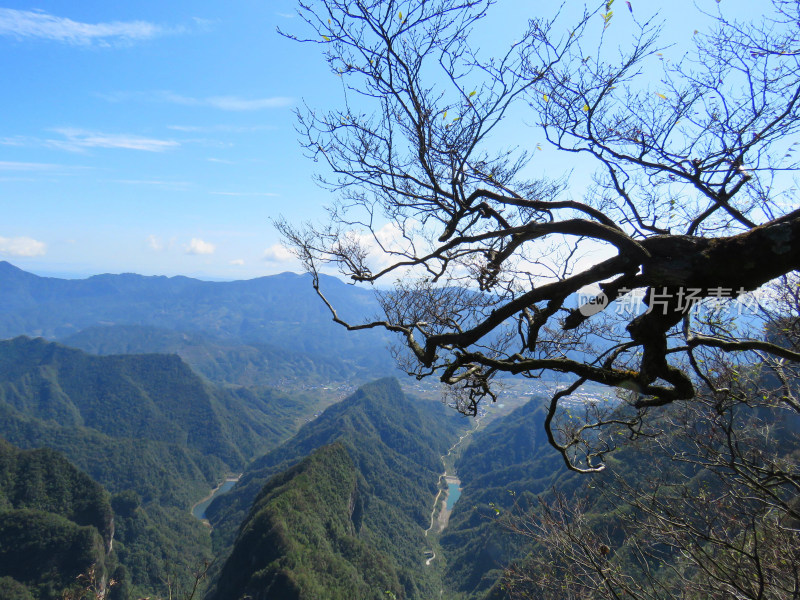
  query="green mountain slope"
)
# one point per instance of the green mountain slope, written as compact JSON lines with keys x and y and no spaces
{"x":221,"y":361}
{"x":508,"y":461}
{"x":55,"y":524}
{"x":44,"y":480}
{"x":301,"y":539}
{"x":395,"y":445}
{"x":145,"y":425}
{"x":59,"y":391}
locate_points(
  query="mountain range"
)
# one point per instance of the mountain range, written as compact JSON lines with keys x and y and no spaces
{"x":149,"y":429}
{"x":279,"y":312}
{"x":159,"y":388}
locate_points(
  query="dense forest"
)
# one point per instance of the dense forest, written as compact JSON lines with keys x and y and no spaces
{"x":109,"y":446}
{"x":56,"y":524}
{"x":394,"y":446}
{"x":151,"y":431}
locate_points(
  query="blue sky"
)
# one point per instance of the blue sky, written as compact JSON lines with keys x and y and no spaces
{"x":157,"y":137}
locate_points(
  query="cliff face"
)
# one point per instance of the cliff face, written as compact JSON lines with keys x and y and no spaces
{"x":56,"y":523}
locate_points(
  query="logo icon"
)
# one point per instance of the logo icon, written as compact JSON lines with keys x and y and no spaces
{"x":594,"y":305}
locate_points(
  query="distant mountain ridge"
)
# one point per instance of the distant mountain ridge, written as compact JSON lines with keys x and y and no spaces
{"x":281,"y":311}
{"x":219,"y":360}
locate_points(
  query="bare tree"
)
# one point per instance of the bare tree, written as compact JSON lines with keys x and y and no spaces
{"x":691,"y":199}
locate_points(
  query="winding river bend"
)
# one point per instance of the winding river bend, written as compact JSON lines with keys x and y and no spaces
{"x":198,"y":509}
{"x":447,"y":497}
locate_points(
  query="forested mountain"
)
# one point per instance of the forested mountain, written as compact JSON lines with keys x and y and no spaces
{"x":56,"y":524}
{"x":280,"y":311}
{"x":508,"y":459}
{"x":686,"y":489}
{"x":340,"y":509}
{"x":304,"y":537}
{"x":394,"y":446}
{"x":146,"y":427}
{"x":221,"y":361}
{"x":150,"y":398}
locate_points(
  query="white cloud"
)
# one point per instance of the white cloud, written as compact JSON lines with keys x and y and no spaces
{"x":228,"y":103}
{"x":22,"y":246}
{"x":79,"y":139}
{"x":18,"y":140}
{"x":386,"y":239}
{"x":237,"y":262}
{"x":204,"y":24}
{"x":277,"y":253}
{"x":41,"y":25}
{"x":198,"y":246}
{"x":155,"y":243}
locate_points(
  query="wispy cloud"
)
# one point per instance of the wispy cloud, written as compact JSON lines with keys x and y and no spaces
{"x":155,"y":243}
{"x":28,"y":24}
{"x":221,"y":128}
{"x":34,"y":171}
{"x":198,"y":246}
{"x":240,"y":104}
{"x":227,"y":103}
{"x":22,"y":246}
{"x":14,"y":141}
{"x":27,"y":166}
{"x":79,"y":139}
{"x":170,"y":185}
{"x":263,"y":194}
{"x":237,"y":262}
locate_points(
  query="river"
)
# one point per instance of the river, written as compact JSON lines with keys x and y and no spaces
{"x":453,"y":493}
{"x":199,"y":509}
